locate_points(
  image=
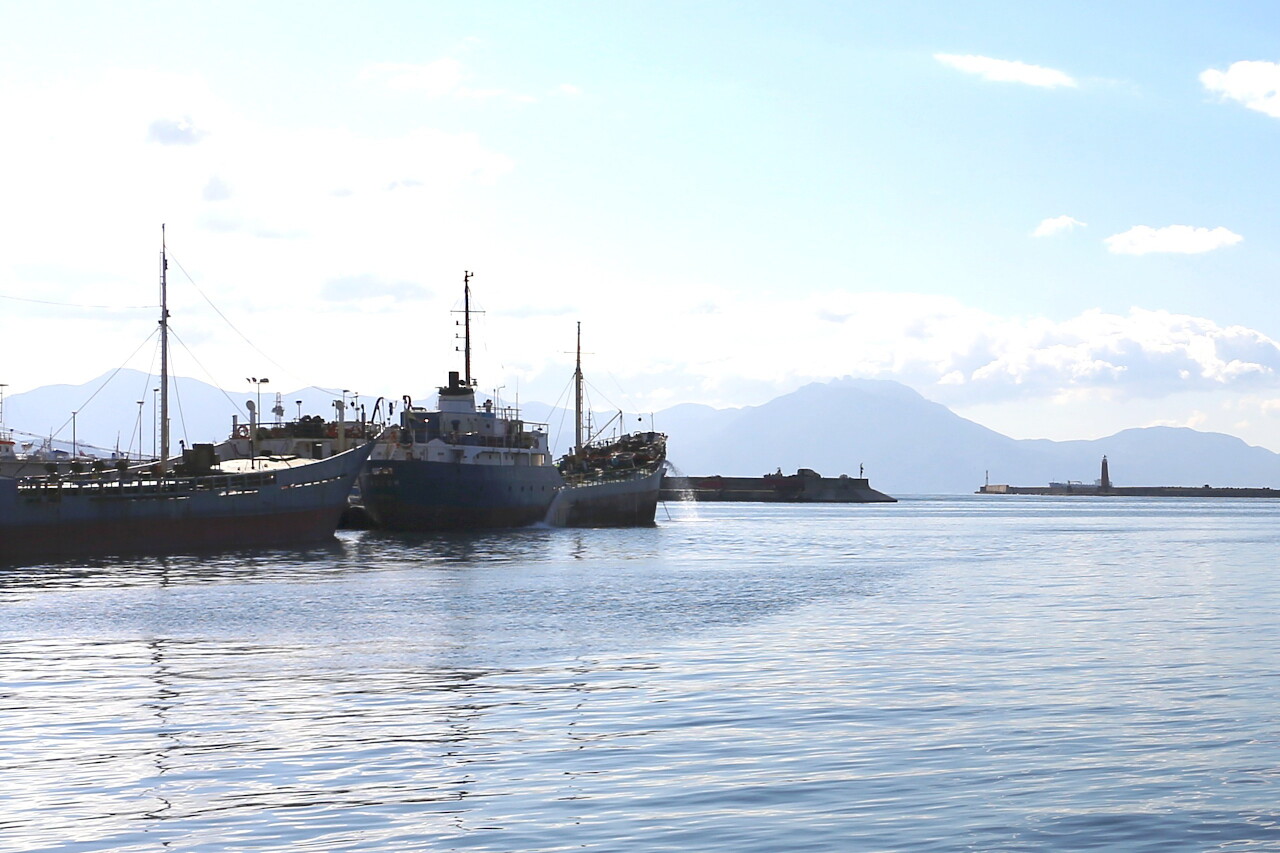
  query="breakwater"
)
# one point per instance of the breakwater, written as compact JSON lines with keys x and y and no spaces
{"x":805,"y":486}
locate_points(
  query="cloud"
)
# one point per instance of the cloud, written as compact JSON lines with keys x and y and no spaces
{"x":1006,"y":71}
{"x":1194,"y":420}
{"x":216,"y":190}
{"x":1174,"y":239}
{"x":434,"y":79}
{"x":1056,"y":225}
{"x":170,"y":131}
{"x":1255,"y":84}
{"x":569,"y":89}
{"x":969,"y":357}
{"x":950,"y":352}
{"x":366,"y":287}
{"x":442,"y":78}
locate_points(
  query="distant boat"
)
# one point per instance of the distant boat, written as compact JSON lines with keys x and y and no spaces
{"x":28,"y":458}
{"x":609,"y":483}
{"x":460,"y":467}
{"x":194,"y":503}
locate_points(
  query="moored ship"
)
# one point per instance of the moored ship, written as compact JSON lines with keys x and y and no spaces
{"x":200,"y":505}
{"x":195,"y":504}
{"x":459,"y":466}
{"x":611,"y":483}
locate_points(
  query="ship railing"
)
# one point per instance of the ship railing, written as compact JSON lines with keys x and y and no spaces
{"x":249,"y":481}
{"x":525,"y":440}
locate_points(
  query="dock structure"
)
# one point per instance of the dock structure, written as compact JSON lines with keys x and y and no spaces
{"x":1103,"y":487}
{"x":805,"y":486}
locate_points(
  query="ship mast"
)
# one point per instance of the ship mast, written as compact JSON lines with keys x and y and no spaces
{"x":164,"y":355}
{"x":466,"y":315}
{"x":577,"y":397}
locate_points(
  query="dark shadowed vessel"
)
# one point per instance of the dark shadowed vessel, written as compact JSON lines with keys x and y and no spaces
{"x":195,"y":504}
{"x":460,"y":467}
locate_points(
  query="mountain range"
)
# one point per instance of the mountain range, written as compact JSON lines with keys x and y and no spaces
{"x":903,"y":443}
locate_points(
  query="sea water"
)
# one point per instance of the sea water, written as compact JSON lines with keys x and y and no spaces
{"x":962,"y":673}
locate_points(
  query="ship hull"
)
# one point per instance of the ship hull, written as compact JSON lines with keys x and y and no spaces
{"x":631,"y":502}
{"x":417,"y":495}
{"x":290,"y":507}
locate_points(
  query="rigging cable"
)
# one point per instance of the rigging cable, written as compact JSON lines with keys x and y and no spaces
{"x":105,"y":382}
{"x":225,"y":319}
{"x":78,"y":304}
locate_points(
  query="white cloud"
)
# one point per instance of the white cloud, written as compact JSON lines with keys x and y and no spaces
{"x":261,"y":214}
{"x":1007,"y":71}
{"x":951,"y":352}
{"x":974,"y":358}
{"x":1193,"y":420}
{"x":1175,"y":239}
{"x":434,"y":79}
{"x":1255,"y":84}
{"x":442,"y":78}
{"x":1056,"y":225}
{"x":570,"y":90}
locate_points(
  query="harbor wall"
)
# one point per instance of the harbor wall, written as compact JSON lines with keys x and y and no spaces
{"x":796,"y":488}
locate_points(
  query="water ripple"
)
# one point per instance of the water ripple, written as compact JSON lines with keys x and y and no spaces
{"x":939,"y":675}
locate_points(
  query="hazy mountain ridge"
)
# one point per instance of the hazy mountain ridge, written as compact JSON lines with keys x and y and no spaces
{"x":908,"y":444}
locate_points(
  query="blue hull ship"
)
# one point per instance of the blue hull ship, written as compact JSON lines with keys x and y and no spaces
{"x":416,"y":495}
{"x":460,"y":467}
{"x":201,"y":503}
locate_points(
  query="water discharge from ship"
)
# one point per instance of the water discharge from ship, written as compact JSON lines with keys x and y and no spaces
{"x":686,"y":503}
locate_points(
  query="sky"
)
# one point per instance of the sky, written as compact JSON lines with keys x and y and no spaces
{"x":1059,"y":220}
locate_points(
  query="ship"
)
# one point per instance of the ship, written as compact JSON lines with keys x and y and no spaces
{"x":460,"y":467}
{"x":608,"y":483}
{"x":195,"y":502}
{"x":307,"y":437}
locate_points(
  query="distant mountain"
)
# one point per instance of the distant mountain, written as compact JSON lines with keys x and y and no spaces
{"x":910,"y":445}
{"x":907,"y":444}
{"x":904,"y":441}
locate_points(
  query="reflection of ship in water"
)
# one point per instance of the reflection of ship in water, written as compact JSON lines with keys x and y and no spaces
{"x":805,"y":486}
{"x":460,"y":467}
{"x":607,"y":483}
{"x":1103,"y":487}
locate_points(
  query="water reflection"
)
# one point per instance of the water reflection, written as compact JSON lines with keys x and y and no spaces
{"x":351,"y":552}
{"x":124,"y":572}
{"x":188,"y":743}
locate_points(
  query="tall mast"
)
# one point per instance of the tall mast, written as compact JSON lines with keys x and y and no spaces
{"x":466,"y":314}
{"x":164,"y":354}
{"x":577,"y":397}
